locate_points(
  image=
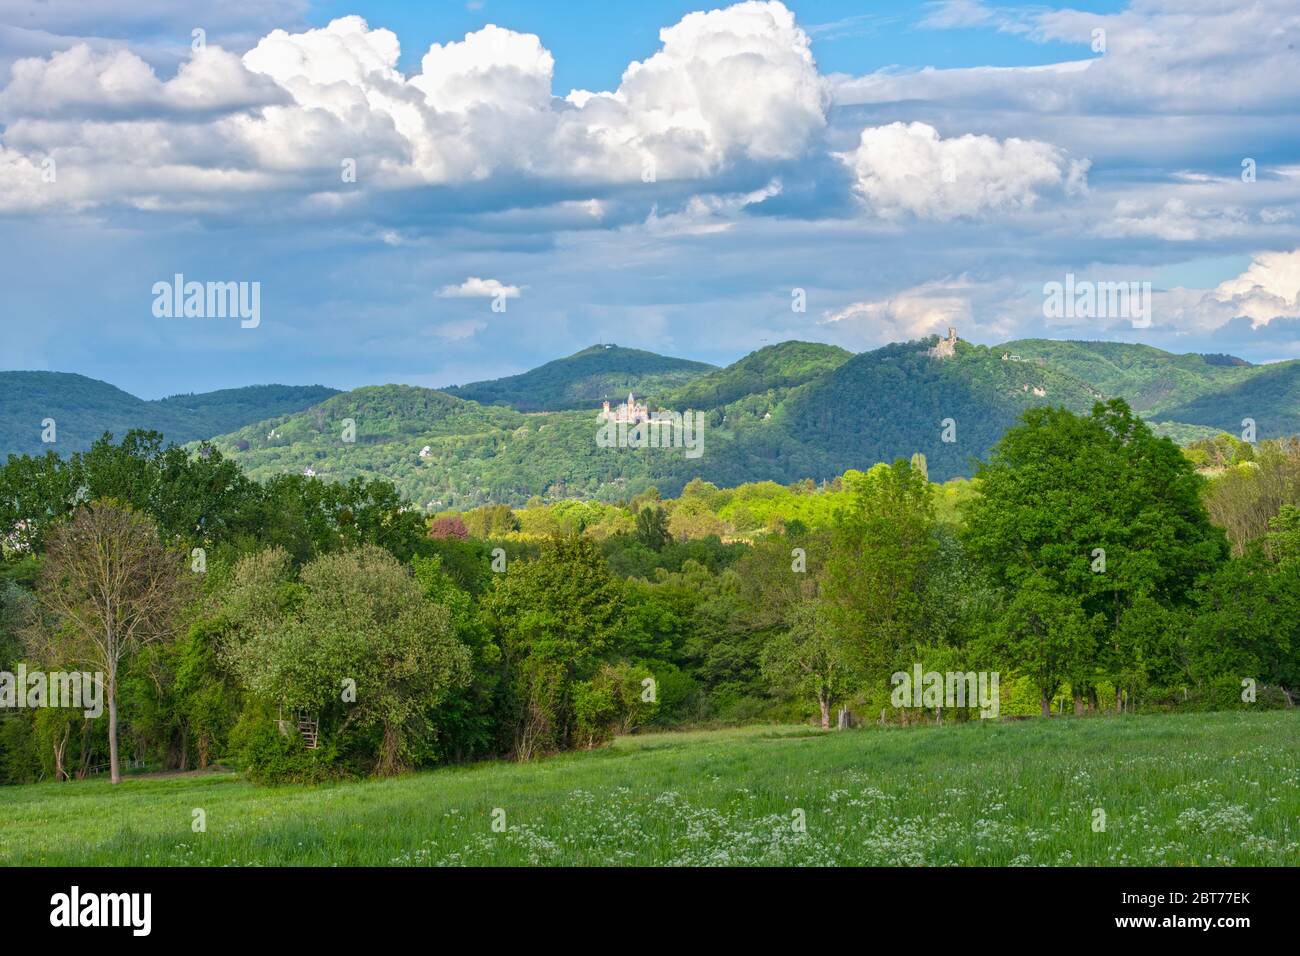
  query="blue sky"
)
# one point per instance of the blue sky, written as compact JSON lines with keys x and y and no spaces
{"x":895,"y":167}
{"x":594,"y":40}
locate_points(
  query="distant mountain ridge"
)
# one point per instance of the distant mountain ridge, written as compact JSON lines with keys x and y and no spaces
{"x":896,"y":400}
{"x":584,"y":379}
{"x":84,"y":408}
{"x":782,"y":366}
{"x":785,"y":412}
{"x":1152,"y":381}
{"x":1270,"y":398}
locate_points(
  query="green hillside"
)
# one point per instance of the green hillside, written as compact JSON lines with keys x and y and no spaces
{"x":1186,"y":396}
{"x":84,"y":408}
{"x":1270,"y":396}
{"x":476,"y":453}
{"x":1151,"y":380}
{"x":783,"y":413}
{"x":771,"y":368}
{"x":891,"y":402}
{"x":392,"y":424}
{"x":585,"y":379}
{"x":872,"y":407}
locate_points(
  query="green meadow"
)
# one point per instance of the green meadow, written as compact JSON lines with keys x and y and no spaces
{"x":1175,"y":790}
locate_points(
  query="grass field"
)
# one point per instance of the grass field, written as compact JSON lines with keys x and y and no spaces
{"x":1178,"y":790}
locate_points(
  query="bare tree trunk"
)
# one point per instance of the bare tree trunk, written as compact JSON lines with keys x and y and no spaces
{"x":531,"y":731}
{"x":1045,"y":703}
{"x":84,"y":768}
{"x":826,"y":712}
{"x":1078,"y":706}
{"x":1119,"y":701}
{"x":389,"y":753}
{"x":115,"y":770}
{"x":59,"y":748}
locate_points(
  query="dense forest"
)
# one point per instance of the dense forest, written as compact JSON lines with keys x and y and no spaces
{"x":785,"y":412}
{"x":584,"y":380}
{"x":1151,"y":380}
{"x":302,"y":629}
{"x":81,"y":409}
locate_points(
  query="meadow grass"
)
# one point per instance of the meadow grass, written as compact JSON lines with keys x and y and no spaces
{"x":1176,"y":790}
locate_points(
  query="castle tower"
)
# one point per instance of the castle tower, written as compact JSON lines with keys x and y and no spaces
{"x":945,"y":348}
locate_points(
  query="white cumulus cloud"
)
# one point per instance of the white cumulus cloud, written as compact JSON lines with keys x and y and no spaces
{"x":908,"y":168}
{"x":1268,"y":289}
{"x":85,"y":84}
{"x":730,"y":85}
{"x":476,"y":288}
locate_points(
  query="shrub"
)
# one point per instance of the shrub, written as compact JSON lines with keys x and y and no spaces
{"x":269,"y":756}
{"x":611,"y":702}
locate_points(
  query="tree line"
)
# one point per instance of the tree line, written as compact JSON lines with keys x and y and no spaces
{"x":303,"y":629}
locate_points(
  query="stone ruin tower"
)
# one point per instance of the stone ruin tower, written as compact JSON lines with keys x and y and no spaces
{"x":945,"y":348}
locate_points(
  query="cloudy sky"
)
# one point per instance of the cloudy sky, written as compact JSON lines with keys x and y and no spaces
{"x":441,"y":192}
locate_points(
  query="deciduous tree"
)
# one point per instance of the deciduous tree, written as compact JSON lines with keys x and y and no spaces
{"x":109,"y":587}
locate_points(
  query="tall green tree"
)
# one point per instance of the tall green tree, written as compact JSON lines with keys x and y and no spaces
{"x":468,"y":718}
{"x":652,"y":528}
{"x":881,"y":553}
{"x":1046,"y":635}
{"x":1101,"y":512}
{"x":812,"y":659}
{"x":1247,"y":622}
{"x":36,"y":493}
{"x":556,"y":618}
{"x":109,"y":587}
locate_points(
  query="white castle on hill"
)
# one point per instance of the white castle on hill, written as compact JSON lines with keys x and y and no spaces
{"x":630,"y":412}
{"x":633,"y":425}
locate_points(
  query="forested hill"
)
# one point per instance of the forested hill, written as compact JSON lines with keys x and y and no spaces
{"x":783,"y":413}
{"x":1270,"y":397}
{"x":445,"y":452}
{"x":84,"y":408}
{"x":781,"y":366}
{"x":585,"y":379}
{"x":894,"y":401}
{"x":1151,"y":380}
